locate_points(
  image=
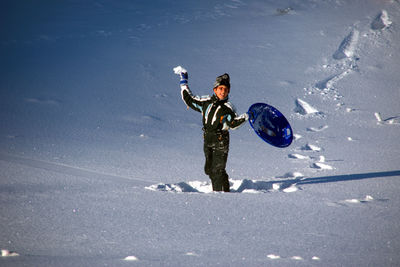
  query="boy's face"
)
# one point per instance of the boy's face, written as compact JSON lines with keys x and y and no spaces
{"x":221,"y":92}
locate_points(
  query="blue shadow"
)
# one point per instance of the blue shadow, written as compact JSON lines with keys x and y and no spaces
{"x":347,"y":177}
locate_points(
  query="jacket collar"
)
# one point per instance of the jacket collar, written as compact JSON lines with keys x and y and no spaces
{"x":215,"y":99}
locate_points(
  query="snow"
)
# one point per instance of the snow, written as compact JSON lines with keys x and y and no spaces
{"x":102,"y":164}
{"x":311,"y":147}
{"x":7,"y":253}
{"x":348,"y":46}
{"x":179,"y":70}
{"x":322,"y":166}
{"x":131,"y":258}
{"x":304,"y":108}
{"x":381,"y":21}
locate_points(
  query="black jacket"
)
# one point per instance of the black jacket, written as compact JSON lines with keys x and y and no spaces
{"x":218,"y":115}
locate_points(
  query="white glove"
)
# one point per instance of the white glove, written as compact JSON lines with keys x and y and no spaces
{"x":183,"y":74}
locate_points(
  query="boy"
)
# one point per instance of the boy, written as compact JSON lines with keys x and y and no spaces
{"x":218,"y":117}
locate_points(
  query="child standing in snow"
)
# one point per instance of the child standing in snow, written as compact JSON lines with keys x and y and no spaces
{"x":218,"y":117}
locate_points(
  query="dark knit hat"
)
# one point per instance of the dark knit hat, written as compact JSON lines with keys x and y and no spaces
{"x":222,"y":80}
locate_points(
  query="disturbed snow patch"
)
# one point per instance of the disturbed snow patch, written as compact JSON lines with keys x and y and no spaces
{"x":321,"y":166}
{"x":273,"y":256}
{"x":367,"y":198}
{"x":348,"y":46}
{"x":291,"y":175}
{"x":310,"y":147}
{"x":183,"y":187}
{"x":295,"y":258}
{"x":317,"y":129}
{"x":328,"y":83}
{"x":8,"y":253}
{"x":236,"y":186}
{"x":354,"y":202}
{"x":298,"y":156}
{"x":390,"y":120}
{"x":381,"y":21}
{"x":303,"y":108}
{"x":131,"y":258}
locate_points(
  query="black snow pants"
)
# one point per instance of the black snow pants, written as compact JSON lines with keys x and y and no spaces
{"x":216,"y":148}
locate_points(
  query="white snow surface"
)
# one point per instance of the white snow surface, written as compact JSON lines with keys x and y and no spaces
{"x":102,"y":164}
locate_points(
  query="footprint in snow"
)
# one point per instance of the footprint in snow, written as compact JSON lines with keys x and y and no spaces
{"x":131,"y":258}
{"x":304,"y":108}
{"x":328,"y":83}
{"x":310,"y":147}
{"x":367,"y":198}
{"x":295,"y":258}
{"x":348,"y":46}
{"x":8,"y":253}
{"x":298,"y":156}
{"x":297,"y":136}
{"x":321,"y":166}
{"x":291,"y":175}
{"x":192,"y":254}
{"x":349,"y":110}
{"x":283,"y":11}
{"x":354,"y":201}
{"x":317,"y":129}
{"x":381,"y":21}
{"x":390,"y":120}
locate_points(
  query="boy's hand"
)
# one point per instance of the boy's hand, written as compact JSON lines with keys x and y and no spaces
{"x":250,"y":116}
{"x":183,"y":74}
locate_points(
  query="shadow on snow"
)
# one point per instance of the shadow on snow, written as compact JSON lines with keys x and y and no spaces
{"x":348,"y":177}
{"x":258,"y":186}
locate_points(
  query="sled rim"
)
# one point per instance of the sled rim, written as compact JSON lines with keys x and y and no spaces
{"x":287,"y":129}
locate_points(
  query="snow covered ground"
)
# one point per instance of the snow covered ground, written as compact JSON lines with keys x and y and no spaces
{"x":102,"y":164}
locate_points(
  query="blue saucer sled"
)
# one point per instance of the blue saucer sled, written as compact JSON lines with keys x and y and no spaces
{"x":270,"y":125}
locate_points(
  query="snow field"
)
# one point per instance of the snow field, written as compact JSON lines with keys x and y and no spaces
{"x":101,"y":163}
{"x":346,"y":63}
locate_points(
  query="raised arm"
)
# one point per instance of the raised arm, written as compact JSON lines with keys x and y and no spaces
{"x":194,"y":102}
